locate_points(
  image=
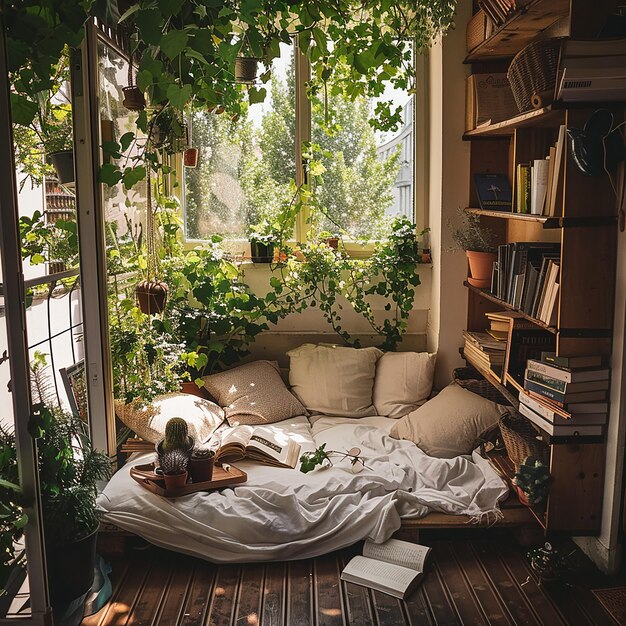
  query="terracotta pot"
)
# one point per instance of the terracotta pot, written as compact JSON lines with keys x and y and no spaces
{"x":523,"y":498}
{"x":151,"y":296}
{"x":175,"y":481}
{"x":245,"y":69}
{"x":63,"y":163}
{"x":261,"y":252}
{"x":190,"y":157}
{"x":134,"y":99}
{"x":201,"y":468}
{"x":481,"y":267}
{"x":192,"y":389}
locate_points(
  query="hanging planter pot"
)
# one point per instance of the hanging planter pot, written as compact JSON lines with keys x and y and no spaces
{"x":134,"y":99}
{"x":151,"y":296}
{"x":63,"y":163}
{"x":190,"y":157}
{"x":246,"y":69}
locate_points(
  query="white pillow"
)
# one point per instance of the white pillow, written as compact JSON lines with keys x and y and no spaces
{"x":451,"y":423}
{"x":149,"y":420}
{"x":403,"y":382}
{"x":334,"y":380}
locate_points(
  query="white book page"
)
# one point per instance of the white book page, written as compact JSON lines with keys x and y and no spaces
{"x":398,"y":552}
{"x":382,"y":575}
{"x":237,"y":435}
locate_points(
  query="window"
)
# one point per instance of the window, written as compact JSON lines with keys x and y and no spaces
{"x":246,"y":167}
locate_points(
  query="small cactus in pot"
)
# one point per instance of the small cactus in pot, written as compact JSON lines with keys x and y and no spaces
{"x":202,"y":462}
{"x":174,"y":466}
{"x":176,"y":435}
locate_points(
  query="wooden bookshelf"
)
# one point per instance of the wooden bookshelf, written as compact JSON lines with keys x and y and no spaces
{"x":585,"y":225}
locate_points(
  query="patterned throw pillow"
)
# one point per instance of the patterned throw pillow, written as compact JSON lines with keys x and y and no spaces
{"x":253,"y":393}
{"x":149,"y":420}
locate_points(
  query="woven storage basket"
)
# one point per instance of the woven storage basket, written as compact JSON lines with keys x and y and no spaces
{"x":470,"y":379}
{"x":476,"y":30}
{"x":533,"y":73}
{"x":520,"y":440}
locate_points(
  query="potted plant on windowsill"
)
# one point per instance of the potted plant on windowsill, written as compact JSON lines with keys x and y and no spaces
{"x":478,"y":245}
{"x":262,"y":238}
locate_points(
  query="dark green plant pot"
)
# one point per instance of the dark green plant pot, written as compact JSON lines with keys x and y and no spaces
{"x":63,"y":163}
{"x":201,"y":468}
{"x":261,"y":252}
{"x":71,"y":569}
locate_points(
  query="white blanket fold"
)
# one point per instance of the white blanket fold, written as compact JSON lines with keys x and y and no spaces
{"x":285,"y":514}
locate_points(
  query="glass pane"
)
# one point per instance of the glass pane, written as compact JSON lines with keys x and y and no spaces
{"x":245,"y":165}
{"x":368,"y":177}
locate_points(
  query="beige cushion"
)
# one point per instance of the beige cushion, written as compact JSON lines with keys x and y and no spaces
{"x":253,"y":393}
{"x":403,"y":382}
{"x":149,"y":421}
{"x":451,"y":423}
{"x":334,"y":380}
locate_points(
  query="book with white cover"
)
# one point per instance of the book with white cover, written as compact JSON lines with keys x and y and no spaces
{"x":394,"y":567}
{"x":538,"y":185}
{"x":552,"y":415}
{"x":561,"y":430}
{"x":567,"y":375}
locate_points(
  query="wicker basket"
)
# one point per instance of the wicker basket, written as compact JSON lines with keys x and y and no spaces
{"x":532,"y":74}
{"x":520,"y":440}
{"x":476,"y":30}
{"x":470,"y":379}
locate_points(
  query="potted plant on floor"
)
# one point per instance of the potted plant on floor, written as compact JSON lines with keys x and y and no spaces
{"x":531,"y":481}
{"x":478,"y":245}
{"x":69,"y":469}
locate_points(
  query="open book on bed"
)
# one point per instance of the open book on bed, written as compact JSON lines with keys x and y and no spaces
{"x":260,"y":443}
{"x":394,"y":567}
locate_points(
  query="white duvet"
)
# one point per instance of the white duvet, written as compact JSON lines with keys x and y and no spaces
{"x":283,"y":514}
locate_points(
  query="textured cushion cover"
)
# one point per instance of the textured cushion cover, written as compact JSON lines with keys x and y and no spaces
{"x":334,"y":380}
{"x":403,"y":382}
{"x":450,"y":424}
{"x":253,"y":393}
{"x":149,"y":421}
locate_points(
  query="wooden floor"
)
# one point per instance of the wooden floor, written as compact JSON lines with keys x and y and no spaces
{"x":475,"y":580}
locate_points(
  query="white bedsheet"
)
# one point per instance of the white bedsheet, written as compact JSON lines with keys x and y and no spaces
{"x":285,"y":514}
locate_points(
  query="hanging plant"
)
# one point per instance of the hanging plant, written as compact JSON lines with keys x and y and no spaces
{"x":134,"y":100}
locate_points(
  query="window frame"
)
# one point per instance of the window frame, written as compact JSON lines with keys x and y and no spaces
{"x":303,"y":135}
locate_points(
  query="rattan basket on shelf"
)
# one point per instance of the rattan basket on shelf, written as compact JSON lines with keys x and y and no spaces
{"x":532,"y":74}
{"x":470,"y":379}
{"x":520,"y":440}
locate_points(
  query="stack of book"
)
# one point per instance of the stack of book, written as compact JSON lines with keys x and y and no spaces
{"x":566,"y":397}
{"x":500,"y":11}
{"x":485,"y":351}
{"x":537,"y":183}
{"x":526,"y":275}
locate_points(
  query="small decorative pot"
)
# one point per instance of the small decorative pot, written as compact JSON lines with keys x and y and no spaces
{"x":134,"y":99}
{"x":261,"y":252}
{"x":332,"y":242}
{"x":192,"y":389}
{"x":246,"y":69}
{"x":190,"y":157}
{"x":175,"y":481}
{"x":481,"y":267}
{"x":63,"y":163}
{"x":151,"y":296}
{"x":202,"y":467}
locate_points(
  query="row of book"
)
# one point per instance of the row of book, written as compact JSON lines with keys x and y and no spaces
{"x":526,"y":276}
{"x":484,"y":350}
{"x":500,"y":11}
{"x":566,"y":397}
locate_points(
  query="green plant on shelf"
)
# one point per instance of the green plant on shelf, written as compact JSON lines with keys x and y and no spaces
{"x":470,"y":235}
{"x":533,"y":478}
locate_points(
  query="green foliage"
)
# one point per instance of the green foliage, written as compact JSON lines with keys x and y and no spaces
{"x":471,"y":235}
{"x":533,"y":478}
{"x":68,"y":471}
{"x":320,"y":456}
{"x":176,"y":435}
{"x":42,"y":242}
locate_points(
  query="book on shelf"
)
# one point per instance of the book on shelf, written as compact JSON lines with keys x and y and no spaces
{"x":567,"y":375}
{"x":488,"y":100}
{"x":571,"y":362}
{"x":557,"y":174}
{"x":522,"y":188}
{"x":547,"y":310}
{"x":538,"y":185}
{"x":540,"y":288}
{"x":493,"y":191}
{"x":526,"y":341}
{"x":593,"y":48}
{"x":563,"y":399}
{"x":394,"y":567}
{"x":565,"y":387}
{"x":259,"y":443}
{"x":490,"y":359}
{"x":557,"y":415}
{"x":561,"y":430}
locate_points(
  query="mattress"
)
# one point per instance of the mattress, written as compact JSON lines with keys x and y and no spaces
{"x":283,"y":514}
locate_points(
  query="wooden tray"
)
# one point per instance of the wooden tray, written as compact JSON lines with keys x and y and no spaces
{"x":145,"y":476}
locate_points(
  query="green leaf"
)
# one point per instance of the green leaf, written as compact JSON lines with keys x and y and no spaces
{"x":179,"y":96}
{"x":110,"y":174}
{"x":132,"y":175}
{"x":173,"y":43}
{"x":23,"y":110}
{"x":256,"y":95}
{"x":125,"y":140}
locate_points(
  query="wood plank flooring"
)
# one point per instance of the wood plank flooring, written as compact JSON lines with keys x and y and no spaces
{"x":479,"y":580}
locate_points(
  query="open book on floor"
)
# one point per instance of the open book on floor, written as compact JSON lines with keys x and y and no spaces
{"x":260,"y":443}
{"x":394,"y":567}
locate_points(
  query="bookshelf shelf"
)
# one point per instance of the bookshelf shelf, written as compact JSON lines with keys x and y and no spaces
{"x":489,"y":296}
{"x":492,"y":378}
{"x":519,"y":30}
{"x":549,"y":222}
{"x":544,"y":117}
